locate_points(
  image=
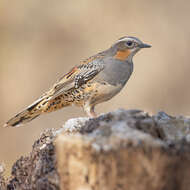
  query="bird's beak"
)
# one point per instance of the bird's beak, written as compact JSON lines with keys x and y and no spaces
{"x":144,"y":46}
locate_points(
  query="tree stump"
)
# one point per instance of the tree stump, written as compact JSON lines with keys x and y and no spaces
{"x":120,"y":151}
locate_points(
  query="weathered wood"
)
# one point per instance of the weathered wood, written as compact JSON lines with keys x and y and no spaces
{"x":114,"y":153}
{"x":128,"y":150}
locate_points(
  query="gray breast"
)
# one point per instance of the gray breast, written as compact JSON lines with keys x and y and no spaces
{"x":115,"y":71}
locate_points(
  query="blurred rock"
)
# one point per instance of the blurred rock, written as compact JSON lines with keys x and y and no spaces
{"x":125,"y":149}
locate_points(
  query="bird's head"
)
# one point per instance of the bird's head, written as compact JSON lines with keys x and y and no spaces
{"x":126,"y":47}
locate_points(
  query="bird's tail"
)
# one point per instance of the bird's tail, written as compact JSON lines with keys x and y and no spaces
{"x":25,"y":116}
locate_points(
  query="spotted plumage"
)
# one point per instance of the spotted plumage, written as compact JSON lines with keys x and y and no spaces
{"x":94,"y":80}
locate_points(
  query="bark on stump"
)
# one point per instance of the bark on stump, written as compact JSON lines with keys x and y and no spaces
{"x":122,"y":151}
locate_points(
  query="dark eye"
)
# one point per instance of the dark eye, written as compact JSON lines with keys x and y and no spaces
{"x":129,"y":43}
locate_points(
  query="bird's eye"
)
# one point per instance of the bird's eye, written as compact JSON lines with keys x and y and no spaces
{"x":129,"y":43}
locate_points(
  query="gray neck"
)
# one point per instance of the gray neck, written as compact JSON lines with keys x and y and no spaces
{"x":116,"y":71}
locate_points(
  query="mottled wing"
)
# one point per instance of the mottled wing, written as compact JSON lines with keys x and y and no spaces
{"x":78,"y":76}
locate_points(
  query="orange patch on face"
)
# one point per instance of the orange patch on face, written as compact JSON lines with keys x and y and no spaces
{"x":122,"y":55}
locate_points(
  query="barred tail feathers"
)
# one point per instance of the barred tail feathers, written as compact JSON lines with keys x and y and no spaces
{"x":43,"y":105}
{"x":25,"y":116}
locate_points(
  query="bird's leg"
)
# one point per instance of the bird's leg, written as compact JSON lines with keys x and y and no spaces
{"x":90,"y":111}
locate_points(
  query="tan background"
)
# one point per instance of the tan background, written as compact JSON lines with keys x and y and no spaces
{"x":41,"y":40}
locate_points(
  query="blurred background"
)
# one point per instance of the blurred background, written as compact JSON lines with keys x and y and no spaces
{"x":41,"y":40}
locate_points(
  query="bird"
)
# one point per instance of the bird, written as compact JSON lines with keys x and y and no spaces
{"x":94,"y":80}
